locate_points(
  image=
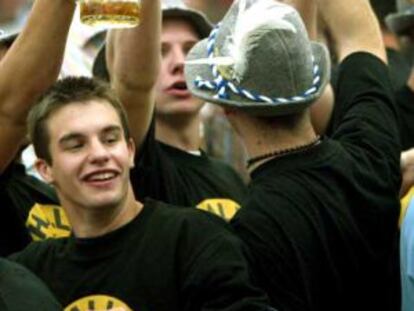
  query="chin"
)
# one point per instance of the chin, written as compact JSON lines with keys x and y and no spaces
{"x":105,"y":201}
{"x":180,"y":107}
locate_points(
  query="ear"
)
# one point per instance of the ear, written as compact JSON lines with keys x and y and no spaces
{"x":44,"y":170}
{"x":131,"y":152}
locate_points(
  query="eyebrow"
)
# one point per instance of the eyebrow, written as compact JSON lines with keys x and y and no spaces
{"x":76,"y":135}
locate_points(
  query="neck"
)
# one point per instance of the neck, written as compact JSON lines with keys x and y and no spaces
{"x":180,"y":132}
{"x":88,"y":223}
{"x":273,"y":141}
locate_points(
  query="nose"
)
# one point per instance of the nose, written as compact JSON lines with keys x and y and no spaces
{"x":98,"y":153}
{"x":178,"y":58}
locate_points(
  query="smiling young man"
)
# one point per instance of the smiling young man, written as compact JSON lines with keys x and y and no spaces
{"x":123,"y":253}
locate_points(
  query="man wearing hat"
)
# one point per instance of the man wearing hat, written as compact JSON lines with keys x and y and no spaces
{"x":40,"y":45}
{"x":321,"y":214}
{"x":170,"y":165}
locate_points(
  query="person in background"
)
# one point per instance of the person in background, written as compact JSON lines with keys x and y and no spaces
{"x":406,"y":257}
{"x":214,"y":9}
{"x":13,"y":15}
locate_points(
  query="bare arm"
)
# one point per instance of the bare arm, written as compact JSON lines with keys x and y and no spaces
{"x":30,"y":67}
{"x":321,"y":111}
{"x":353,"y":26}
{"x":307,"y":10}
{"x":133,"y":58}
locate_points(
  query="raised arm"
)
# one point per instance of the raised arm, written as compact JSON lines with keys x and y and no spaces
{"x":307,"y":10}
{"x":30,"y":66}
{"x":133,"y":58}
{"x":353,"y":26}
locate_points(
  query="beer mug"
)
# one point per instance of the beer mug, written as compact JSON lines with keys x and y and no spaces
{"x":110,"y":13}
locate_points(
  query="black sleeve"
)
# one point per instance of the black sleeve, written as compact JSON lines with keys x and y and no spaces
{"x":149,"y":171}
{"x":216,"y":273}
{"x":366,"y":116}
{"x":405,"y":102}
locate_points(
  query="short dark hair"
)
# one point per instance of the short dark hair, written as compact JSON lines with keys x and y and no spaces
{"x":68,"y":91}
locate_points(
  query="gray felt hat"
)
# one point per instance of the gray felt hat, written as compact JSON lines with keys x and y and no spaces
{"x":400,"y":21}
{"x":259,"y":59}
{"x":170,"y":9}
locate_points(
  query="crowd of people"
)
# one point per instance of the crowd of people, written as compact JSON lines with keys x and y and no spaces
{"x":129,"y":211}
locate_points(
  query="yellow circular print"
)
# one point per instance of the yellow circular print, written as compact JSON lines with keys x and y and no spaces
{"x":98,"y":303}
{"x":224,"y":208}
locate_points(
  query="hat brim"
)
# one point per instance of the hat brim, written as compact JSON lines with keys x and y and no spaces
{"x":193,"y":71}
{"x":7,"y":40}
{"x":199,"y":21}
{"x":400,"y":22}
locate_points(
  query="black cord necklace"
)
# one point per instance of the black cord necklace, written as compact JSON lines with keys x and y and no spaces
{"x":284,"y":152}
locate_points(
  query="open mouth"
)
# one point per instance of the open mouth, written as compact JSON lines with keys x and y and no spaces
{"x":180,"y":86}
{"x":101,"y":178}
{"x":179,"y":89}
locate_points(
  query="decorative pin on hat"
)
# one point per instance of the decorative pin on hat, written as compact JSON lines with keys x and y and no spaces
{"x":259,"y":59}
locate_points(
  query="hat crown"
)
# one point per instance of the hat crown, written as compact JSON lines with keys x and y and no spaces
{"x":259,"y":59}
{"x":271,"y":51}
{"x":403,"y":5}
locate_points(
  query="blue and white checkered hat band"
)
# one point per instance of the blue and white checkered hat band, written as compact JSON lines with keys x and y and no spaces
{"x":223,"y":87}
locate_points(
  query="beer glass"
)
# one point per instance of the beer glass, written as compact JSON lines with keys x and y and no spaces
{"x":110,"y":13}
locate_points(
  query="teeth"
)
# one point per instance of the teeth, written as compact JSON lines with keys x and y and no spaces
{"x":102,"y":176}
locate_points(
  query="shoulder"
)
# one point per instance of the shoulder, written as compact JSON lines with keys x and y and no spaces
{"x":362,"y":62}
{"x":189,"y":224}
{"x":38,"y":252}
{"x":183,"y":216}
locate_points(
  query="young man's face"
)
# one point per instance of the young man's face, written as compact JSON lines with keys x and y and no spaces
{"x":172,"y":95}
{"x":90,"y":157}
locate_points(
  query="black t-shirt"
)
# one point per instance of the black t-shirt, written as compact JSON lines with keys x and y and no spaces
{"x":405,"y":102}
{"x":321,"y":224}
{"x":19,"y":192}
{"x":171,"y":175}
{"x":20,"y":290}
{"x":165,"y":259}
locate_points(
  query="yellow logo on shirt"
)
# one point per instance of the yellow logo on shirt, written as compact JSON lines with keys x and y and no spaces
{"x":224,"y":208}
{"x":47,"y":221}
{"x":98,"y":303}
